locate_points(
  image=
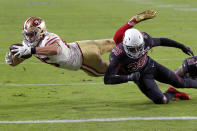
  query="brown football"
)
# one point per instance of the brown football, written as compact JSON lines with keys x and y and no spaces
{"x":11,"y":48}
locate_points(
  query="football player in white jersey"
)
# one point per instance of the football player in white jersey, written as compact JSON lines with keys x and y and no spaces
{"x":51,"y":49}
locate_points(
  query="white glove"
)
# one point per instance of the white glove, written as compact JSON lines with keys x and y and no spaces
{"x":21,"y":50}
{"x":8,"y":58}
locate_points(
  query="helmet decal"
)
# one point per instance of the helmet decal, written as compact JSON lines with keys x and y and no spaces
{"x":36,"y":22}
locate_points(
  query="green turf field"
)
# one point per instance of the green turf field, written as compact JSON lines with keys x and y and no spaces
{"x":69,"y":95}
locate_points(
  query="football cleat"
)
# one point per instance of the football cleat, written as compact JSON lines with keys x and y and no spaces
{"x":179,"y":95}
{"x":149,"y":14}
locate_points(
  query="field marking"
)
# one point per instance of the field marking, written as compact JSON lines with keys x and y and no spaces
{"x":57,"y":84}
{"x":179,"y":7}
{"x":186,"y":9}
{"x":103,"y":120}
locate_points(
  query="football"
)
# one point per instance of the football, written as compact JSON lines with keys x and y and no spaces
{"x":13,"y":53}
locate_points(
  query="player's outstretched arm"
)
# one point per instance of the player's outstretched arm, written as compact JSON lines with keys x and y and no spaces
{"x":25,"y":51}
{"x":48,"y":50}
{"x":149,"y":14}
{"x":172,"y":43}
{"x":111,"y":77}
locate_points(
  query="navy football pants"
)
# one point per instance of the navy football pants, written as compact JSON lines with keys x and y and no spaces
{"x":154,"y":71}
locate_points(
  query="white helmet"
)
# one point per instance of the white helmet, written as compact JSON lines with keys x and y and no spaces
{"x":34,"y":29}
{"x":133,"y":43}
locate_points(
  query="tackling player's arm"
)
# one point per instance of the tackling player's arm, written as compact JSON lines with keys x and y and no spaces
{"x":111,"y":76}
{"x":172,"y":43}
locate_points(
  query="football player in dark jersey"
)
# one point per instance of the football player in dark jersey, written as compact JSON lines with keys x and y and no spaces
{"x":129,"y":62}
{"x":188,"y":68}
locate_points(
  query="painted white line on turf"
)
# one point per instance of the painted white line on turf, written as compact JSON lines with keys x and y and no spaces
{"x":179,"y":7}
{"x":103,"y":120}
{"x":186,"y":9}
{"x":57,"y":84}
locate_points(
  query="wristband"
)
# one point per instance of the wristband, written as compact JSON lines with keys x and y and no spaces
{"x":33,"y":50}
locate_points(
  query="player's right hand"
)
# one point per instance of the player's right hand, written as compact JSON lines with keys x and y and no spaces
{"x":21,"y":51}
{"x":187,"y":51}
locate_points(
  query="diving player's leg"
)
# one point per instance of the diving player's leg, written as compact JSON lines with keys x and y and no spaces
{"x":104,"y":45}
{"x":149,"y":14}
{"x":94,"y":64}
{"x":149,"y":87}
{"x":92,"y":60}
{"x":179,"y":95}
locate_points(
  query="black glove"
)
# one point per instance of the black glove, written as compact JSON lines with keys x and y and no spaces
{"x":187,"y":50}
{"x":134,"y":76}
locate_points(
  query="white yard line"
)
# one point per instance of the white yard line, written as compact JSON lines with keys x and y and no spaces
{"x":175,"y":6}
{"x":103,"y":120}
{"x":56,"y":84}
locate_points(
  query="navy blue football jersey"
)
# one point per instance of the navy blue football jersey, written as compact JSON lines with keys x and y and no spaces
{"x":128,"y":65}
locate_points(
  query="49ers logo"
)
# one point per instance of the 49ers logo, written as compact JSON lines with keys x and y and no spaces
{"x":36,"y":22}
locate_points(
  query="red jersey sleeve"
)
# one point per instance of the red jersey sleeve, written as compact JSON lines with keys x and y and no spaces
{"x":118,"y":37}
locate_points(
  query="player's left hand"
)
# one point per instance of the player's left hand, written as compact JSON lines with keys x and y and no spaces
{"x":8,"y":58}
{"x":21,"y":50}
{"x":187,"y":51}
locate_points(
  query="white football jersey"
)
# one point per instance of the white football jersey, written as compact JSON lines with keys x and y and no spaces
{"x":70,"y":56}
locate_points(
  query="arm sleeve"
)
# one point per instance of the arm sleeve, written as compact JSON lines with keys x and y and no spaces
{"x":167,"y":42}
{"x":118,"y":37}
